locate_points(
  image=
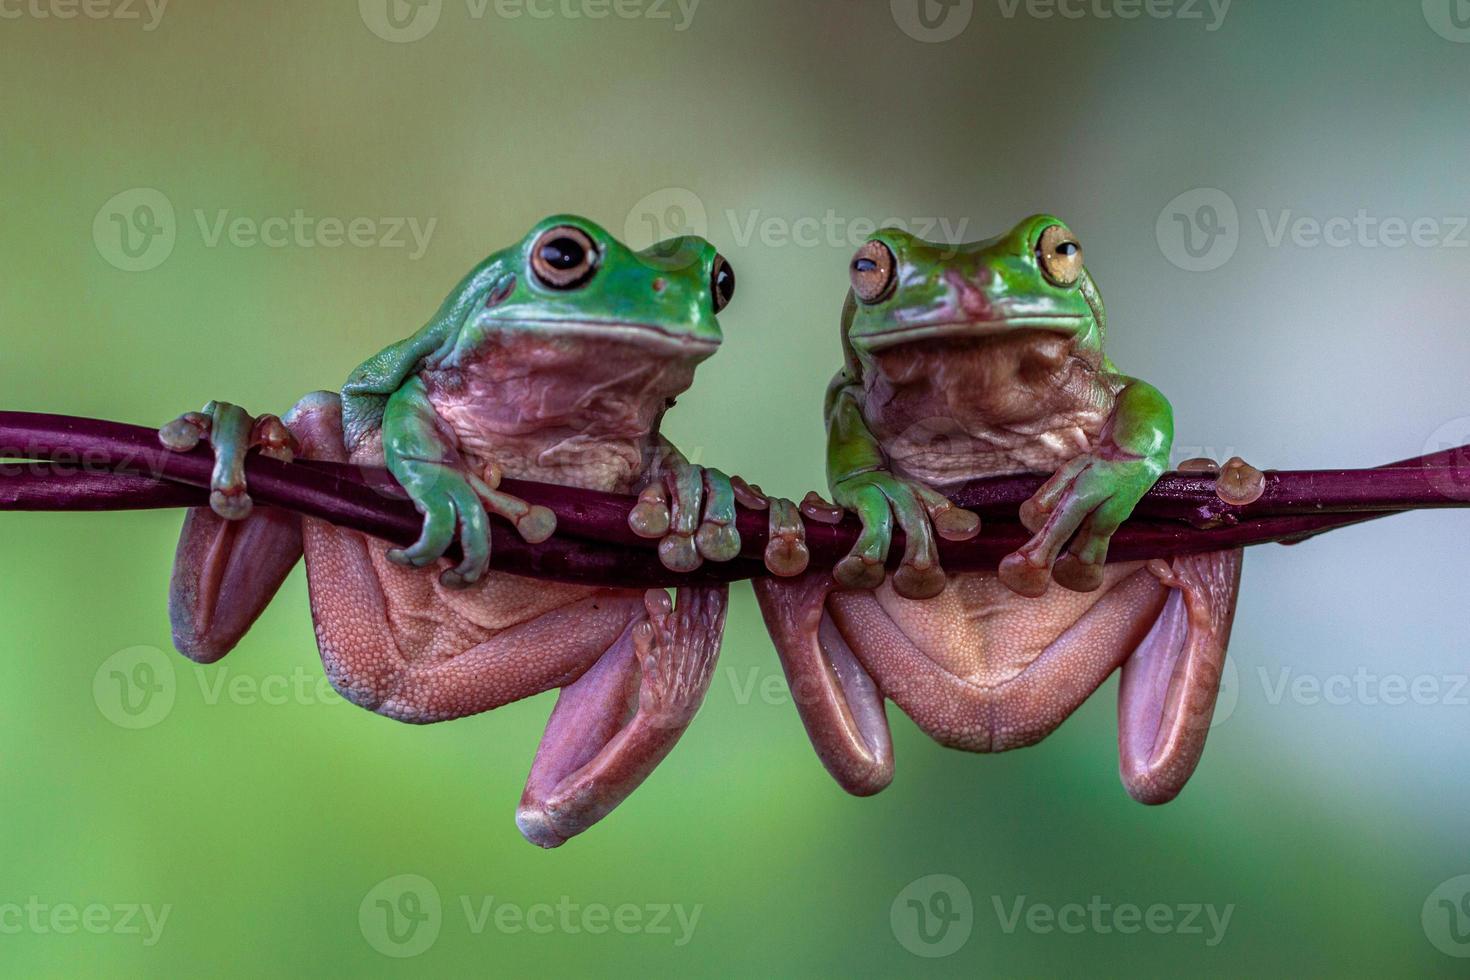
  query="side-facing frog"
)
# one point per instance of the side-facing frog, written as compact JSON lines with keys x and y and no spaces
{"x":553,"y":360}
{"x":981,"y":360}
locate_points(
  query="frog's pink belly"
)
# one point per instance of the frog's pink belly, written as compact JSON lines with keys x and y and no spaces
{"x":982,"y":632}
{"x":981,"y":668}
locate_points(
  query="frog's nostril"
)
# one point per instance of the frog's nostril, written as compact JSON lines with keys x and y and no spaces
{"x":660,"y":284}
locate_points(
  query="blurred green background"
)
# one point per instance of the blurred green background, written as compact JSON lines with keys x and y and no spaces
{"x":268,"y":819}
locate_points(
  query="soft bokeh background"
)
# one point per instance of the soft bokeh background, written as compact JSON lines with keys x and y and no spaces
{"x":265,"y":815}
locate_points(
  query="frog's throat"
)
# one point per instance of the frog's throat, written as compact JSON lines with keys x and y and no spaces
{"x":1069,"y":325}
{"x":646,"y":335}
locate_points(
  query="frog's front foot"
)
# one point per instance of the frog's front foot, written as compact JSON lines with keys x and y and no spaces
{"x":692,"y":510}
{"x":233,"y":433}
{"x":456,"y":500}
{"x":879,"y":498}
{"x":1085,"y":501}
{"x":786,"y":552}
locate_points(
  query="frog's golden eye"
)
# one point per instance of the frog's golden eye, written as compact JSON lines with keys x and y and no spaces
{"x":1060,"y":256}
{"x":722,"y":283}
{"x":872,"y":272}
{"x":564,"y":258}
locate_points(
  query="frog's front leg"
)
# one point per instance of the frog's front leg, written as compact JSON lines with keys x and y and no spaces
{"x":593,"y":753}
{"x":452,"y":498}
{"x":1090,"y":496}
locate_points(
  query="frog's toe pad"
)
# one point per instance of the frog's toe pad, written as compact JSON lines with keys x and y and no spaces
{"x":918,"y":582}
{"x":956,"y":524}
{"x":650,"y":516}
{"x":183,"y":433}
{"x":1072,"y":573}
{"x":1022,"y":577}
{"x":231,"y":505}
{"x":537,"y":524}
{"x":718,"y":542}
{"x":1240,"y":483}
{"x":679,"y":553}
{"x":857,"y":572}
{"x":787,"y":555}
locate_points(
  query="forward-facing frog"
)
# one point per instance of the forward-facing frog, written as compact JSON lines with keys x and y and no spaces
{"x":553,"y":360}
{"x":983,"y":360}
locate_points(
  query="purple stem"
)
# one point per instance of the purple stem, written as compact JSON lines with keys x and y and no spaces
{"x":98,"y":465}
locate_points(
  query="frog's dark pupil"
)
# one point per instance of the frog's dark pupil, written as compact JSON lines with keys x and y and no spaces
{"x":725,"y":282}
{"x":563,"y":254}
{"x":1067,"y":248}
{"x":865,"y":265}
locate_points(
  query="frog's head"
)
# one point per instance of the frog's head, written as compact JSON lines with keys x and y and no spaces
{"x":906,"y":290}
{"x":570,"y":279}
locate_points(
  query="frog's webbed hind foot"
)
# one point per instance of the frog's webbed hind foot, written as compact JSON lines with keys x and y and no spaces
{"x":839,"y":704}
{"x":1166,"y":698}
{"x":618,"y":721}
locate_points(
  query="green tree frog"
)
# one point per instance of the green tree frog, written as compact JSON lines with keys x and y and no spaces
{"x":553,"y":360}
{"x":981,"y":360}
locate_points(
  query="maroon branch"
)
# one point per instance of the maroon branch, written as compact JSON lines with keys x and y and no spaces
{"x":64,"y":464}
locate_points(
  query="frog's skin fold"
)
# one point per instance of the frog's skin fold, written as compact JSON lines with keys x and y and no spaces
{"x":978,"y":360}
{"x":554,"y":360}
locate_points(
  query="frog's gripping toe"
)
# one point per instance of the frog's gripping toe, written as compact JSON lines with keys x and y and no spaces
{"x":538,"y":524}
{"x":859,"y":572}
{"x":1023,"y":576}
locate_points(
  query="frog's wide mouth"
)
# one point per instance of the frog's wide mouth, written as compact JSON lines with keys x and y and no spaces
{"x":645,"y":335}
{"x":1066,"y":324}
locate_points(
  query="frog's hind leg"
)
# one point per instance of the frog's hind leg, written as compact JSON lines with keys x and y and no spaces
{"x":1169,"y":685}
{"x":618,"y":721}
{"x":412,"y":659}
{"x":838,"y":702}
